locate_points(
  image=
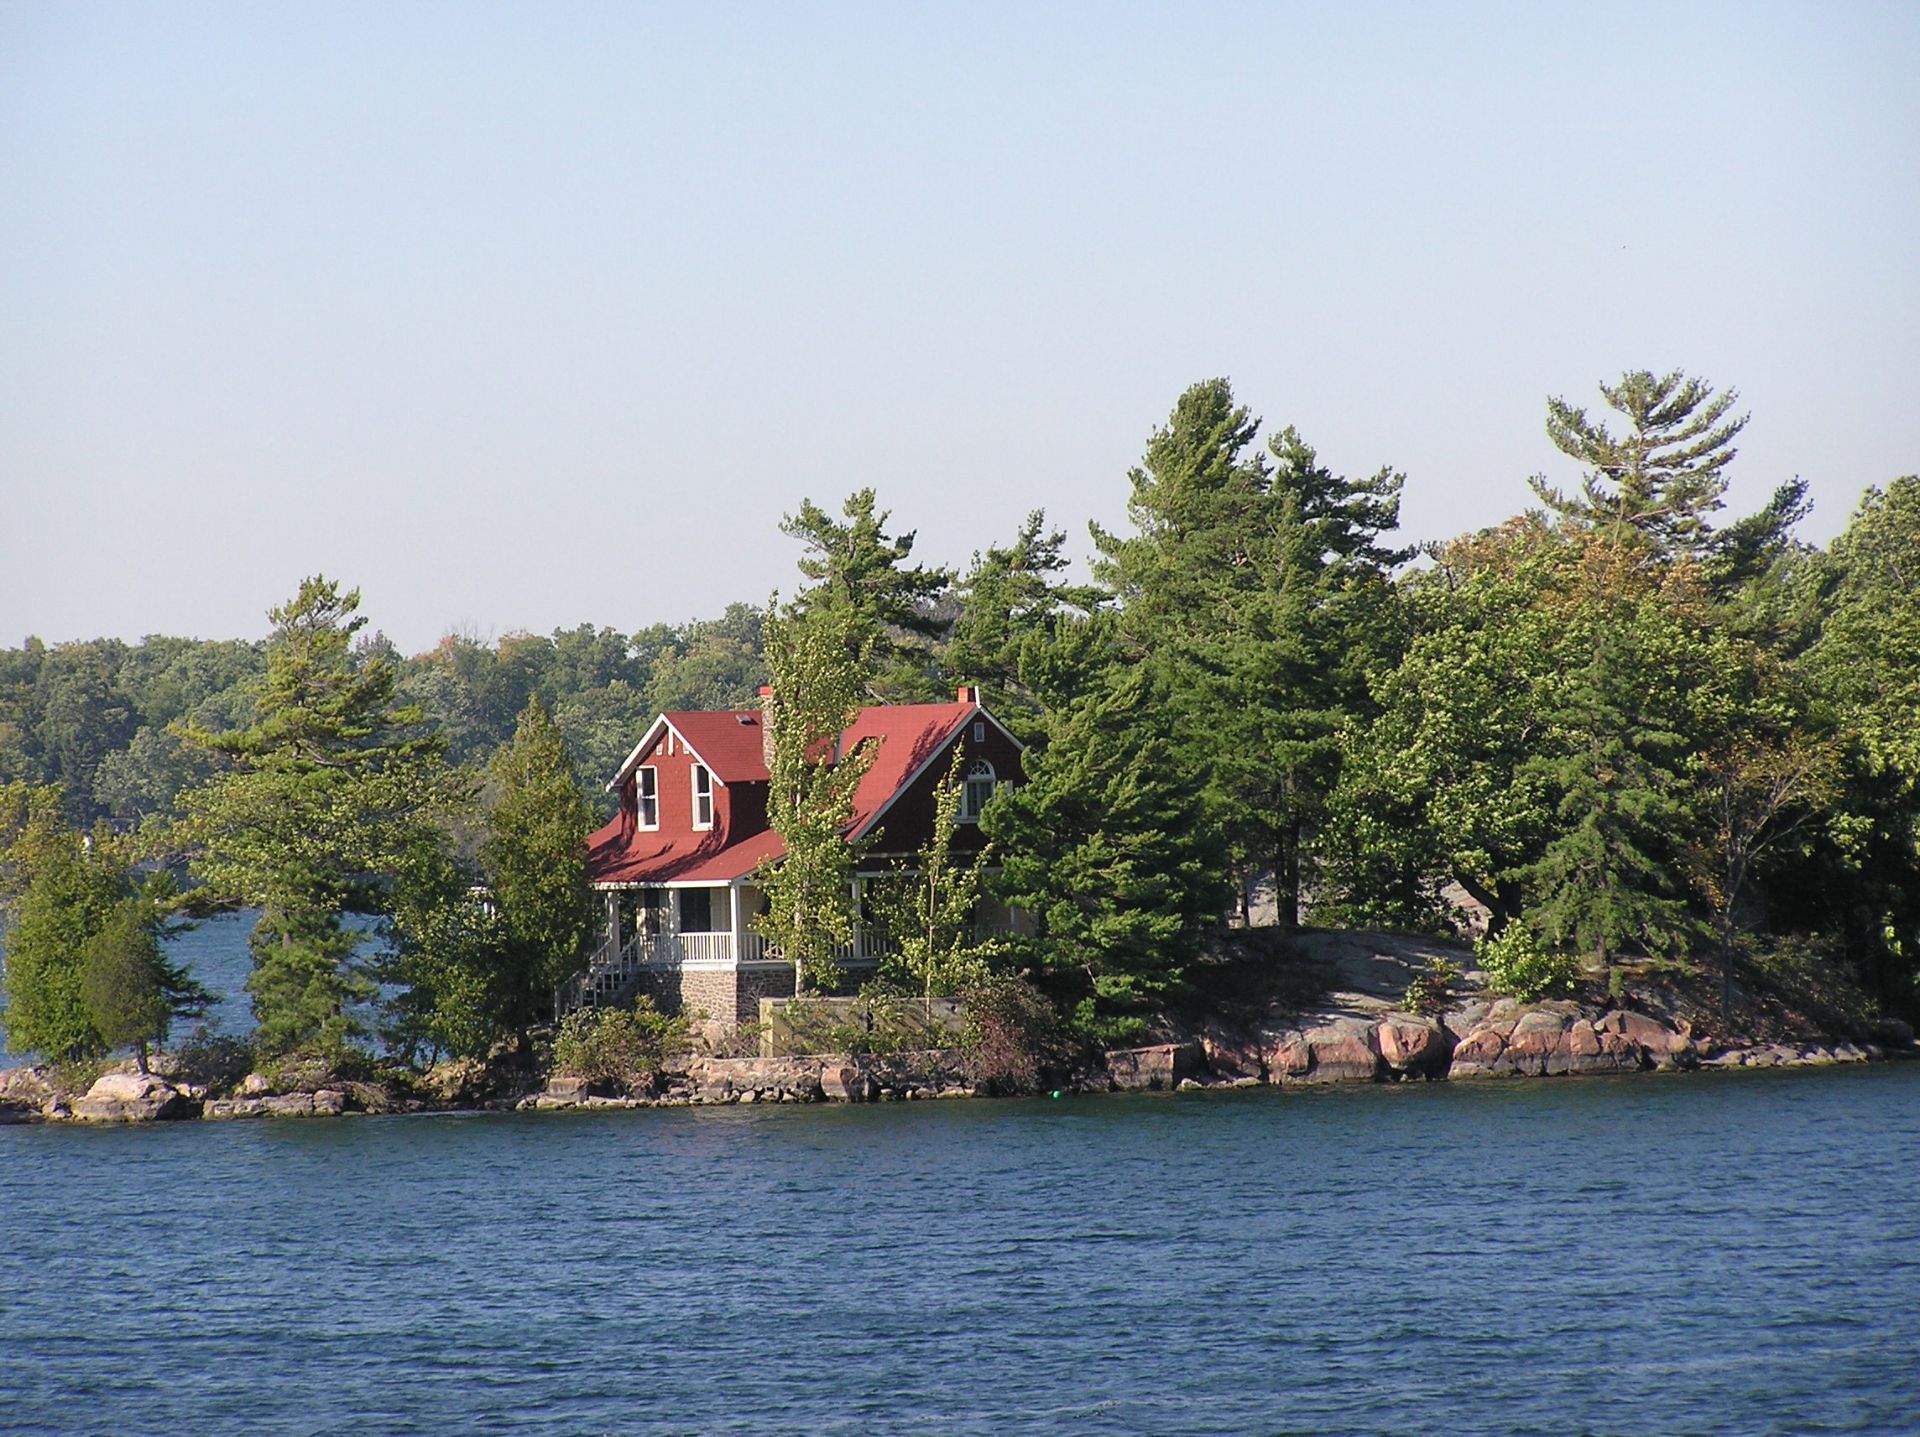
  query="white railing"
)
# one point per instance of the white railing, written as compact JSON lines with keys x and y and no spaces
{"x":611,"y":974}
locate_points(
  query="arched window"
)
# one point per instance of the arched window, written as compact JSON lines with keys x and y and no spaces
{"x":979,"y":790}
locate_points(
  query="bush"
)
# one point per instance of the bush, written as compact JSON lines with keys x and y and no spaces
{"x":1012,"y":1036}
{"x":1515,"y":963}
{"x":1431,"y":993}
{"x":616,"y":1045}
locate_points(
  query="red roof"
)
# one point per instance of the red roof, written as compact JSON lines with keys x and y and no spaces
{"x":654,"y":857}
{"x":727,"y":740}
{"x":910,"y":736}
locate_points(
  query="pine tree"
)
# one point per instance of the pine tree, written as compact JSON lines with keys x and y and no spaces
{"x":84,"y":972}
{"x":1111,"y":852}
{"x":886,"y":608}
{"x":1012,"y":599}
{"x":62,"y":890}
{"x":132,"y":991}
{"x":1655,"y":486}
{"x":1614,"y":762}
{"x":328,"y":801}
{"x":1259,"y":589}
{"x":535,"y":861}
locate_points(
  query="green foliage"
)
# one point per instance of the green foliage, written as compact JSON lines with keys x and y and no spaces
{"x":329,"y":806}
{"x":883,"y":609}
{"x":616,"y":1045}
{"x":817,"y":683}
{"x":929,"y":908}
{"x":535,"y":861}
{"x":1259,"y":589}
{"x":130,"y":990}
{"x":1110,"y":852}
{"x":1655,"y":485}
{"x":1432,"y":992}
{"x":85,"y":972}
{"x":1613,"y":756}
{"x":1012,"y":603}
{"x":64,"y":892}
{"x":1516,"y":963}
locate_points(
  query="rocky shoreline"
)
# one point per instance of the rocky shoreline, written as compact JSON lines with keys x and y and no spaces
{"x":1481,"y":1041}
{"x":1330,"y":1007}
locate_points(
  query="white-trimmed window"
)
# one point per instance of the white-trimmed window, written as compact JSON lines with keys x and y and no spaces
{"x":702,"y":797}
{"x":979,"y":789}
{"x":646,"y":797}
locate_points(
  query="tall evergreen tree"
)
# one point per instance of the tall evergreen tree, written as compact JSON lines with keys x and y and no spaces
{"x":1260,"y":590}
{"x":535,"y":861}
{"x":1614,"y":757}
{"x":1112,"y":852}
{"x":325,"y":805}
{"x":886,"y":608}
{"x":1011,"y":599}
{"x":131,"y":989}
{"x":1657,"y":484}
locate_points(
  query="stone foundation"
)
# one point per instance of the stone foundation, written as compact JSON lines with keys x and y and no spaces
{"x":727,"y":996}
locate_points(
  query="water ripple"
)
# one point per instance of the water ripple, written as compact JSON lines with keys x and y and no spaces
{"x":1715,"y":1255}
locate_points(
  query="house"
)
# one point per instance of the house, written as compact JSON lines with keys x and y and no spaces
{"x":679,"y":866}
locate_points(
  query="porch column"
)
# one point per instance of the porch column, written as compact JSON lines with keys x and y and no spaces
{"x":613,"y":918}
{"x":733,"y":905}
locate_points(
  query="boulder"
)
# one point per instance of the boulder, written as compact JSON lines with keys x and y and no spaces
{"x":1232,"y":1054}
{"x":1478,"y":1054}
{"x":255,"y":1085}
{"x":1284,"y":1055}
{"x":1663,"y":1045}
{"x":133,"y":1098}
{"x":25,"y":1095}
{"x":1538,"y":1044}
{"x":1413,"y":1047}
{"x":1342,"y":1051}
{"x":1159,"y":1066}
{"x":843,"y":1083}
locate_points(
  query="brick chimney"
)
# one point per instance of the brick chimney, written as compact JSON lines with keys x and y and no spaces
{"x":967,"y":694}
{"x":766,"y":726}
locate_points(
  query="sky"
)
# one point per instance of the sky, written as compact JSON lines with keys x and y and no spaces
{"x":519,"y":317}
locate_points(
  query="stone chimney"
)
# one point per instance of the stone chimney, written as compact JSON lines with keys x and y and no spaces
{"x":766,"y":726}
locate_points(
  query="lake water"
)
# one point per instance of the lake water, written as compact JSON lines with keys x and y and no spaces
{"x":1716,"y":1253}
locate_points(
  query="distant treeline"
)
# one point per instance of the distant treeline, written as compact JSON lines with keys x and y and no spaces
{"x":100,"y":717}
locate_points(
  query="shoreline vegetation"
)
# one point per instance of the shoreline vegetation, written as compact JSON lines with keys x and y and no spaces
{"x":1659,"y":764}
{"x":1349,"y":1013}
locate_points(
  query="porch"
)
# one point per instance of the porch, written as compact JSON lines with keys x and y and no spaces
{"x":656,"y":932}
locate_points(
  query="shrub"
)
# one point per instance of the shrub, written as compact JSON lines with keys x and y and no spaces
{"x":1012,"y":1036}
{"x":616,"y":1045}
{"x":1431,"y":993}
{"x":1515,"y":963}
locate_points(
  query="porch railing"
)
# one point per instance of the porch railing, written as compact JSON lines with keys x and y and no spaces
{"x":614,"y":972}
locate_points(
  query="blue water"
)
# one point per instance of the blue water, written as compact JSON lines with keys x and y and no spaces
{"x":1715,"y":1253}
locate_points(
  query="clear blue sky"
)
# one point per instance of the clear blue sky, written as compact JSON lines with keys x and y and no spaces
{"x":519,"y":316}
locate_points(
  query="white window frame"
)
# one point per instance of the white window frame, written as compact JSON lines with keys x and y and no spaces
{"x":700,"y":795}
{"x":644,"y":779}
{"x":980,"y":780}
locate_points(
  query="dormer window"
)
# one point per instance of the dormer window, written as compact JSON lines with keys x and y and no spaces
{"x":646,"y":795}
{"x":702,"y":796}
{"x":980,"y":778}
